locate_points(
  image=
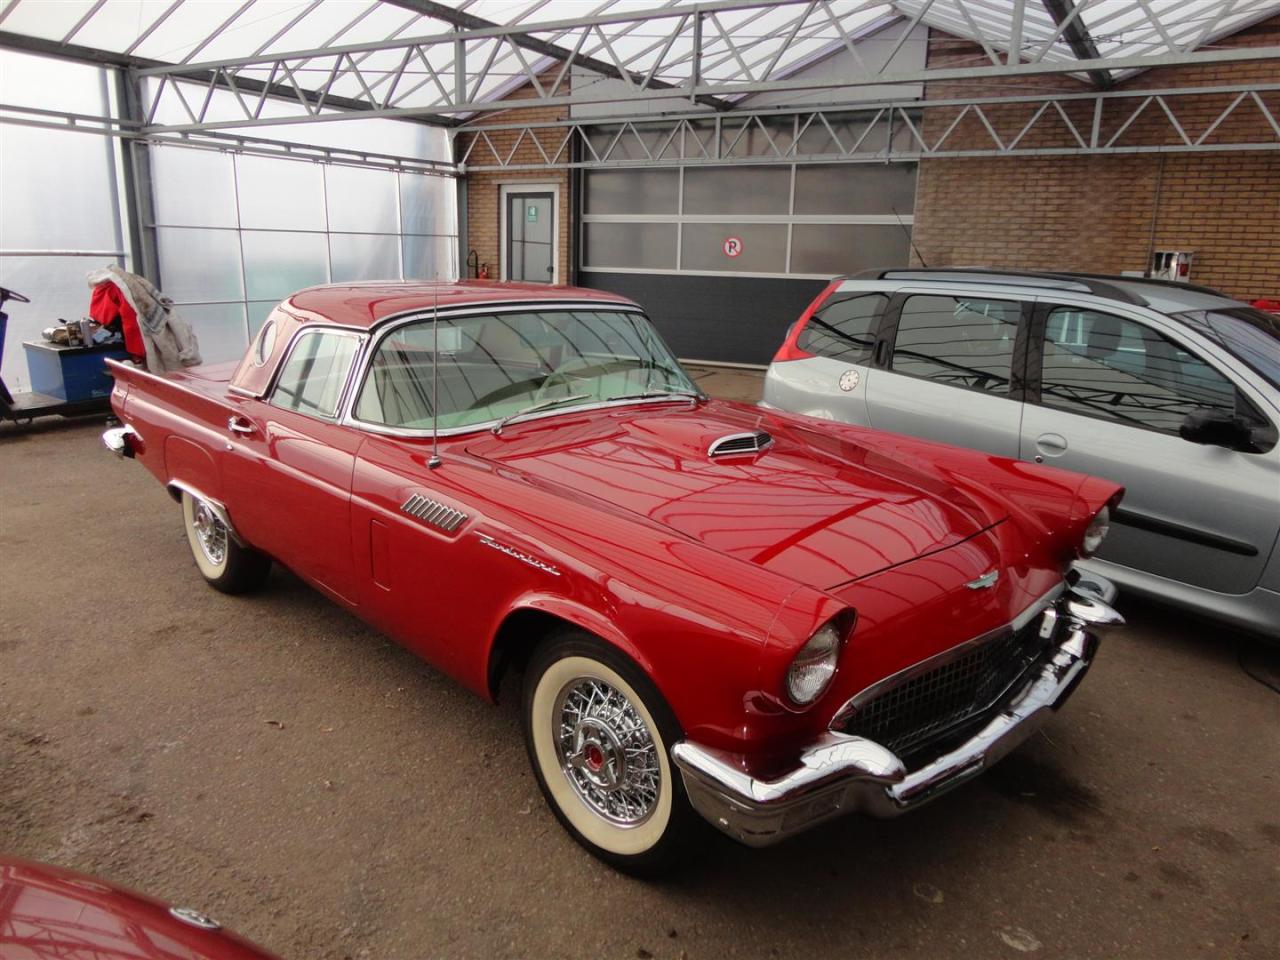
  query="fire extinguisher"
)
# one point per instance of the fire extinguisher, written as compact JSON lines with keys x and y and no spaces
{"x":484,"y":272}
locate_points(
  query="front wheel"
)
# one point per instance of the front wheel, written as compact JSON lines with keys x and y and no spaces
{"x":599,"y":736}
{"x":224,"y":564}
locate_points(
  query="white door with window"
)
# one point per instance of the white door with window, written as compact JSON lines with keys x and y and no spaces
{"x":1113,"y":393}
{"x":529,"y":234}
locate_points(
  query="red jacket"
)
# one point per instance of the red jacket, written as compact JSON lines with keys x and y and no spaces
{"x":106,"y":305}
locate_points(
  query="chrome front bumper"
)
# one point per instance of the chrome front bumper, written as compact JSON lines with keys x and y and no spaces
{"x":842,"y":774}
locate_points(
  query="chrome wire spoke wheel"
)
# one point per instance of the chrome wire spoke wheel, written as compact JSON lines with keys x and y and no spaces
{"x":607,"y":752}
{"x":211,"y":533}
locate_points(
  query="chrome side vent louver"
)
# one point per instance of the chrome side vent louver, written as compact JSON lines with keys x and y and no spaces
{"x":739,"y":443}
{"x":434,"y":513}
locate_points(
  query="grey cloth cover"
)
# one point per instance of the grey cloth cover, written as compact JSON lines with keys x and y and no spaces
{"x":170,"y":341}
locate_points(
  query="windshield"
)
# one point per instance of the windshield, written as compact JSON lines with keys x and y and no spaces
{"x":494,"y":365}
{"x":1251,"y":336}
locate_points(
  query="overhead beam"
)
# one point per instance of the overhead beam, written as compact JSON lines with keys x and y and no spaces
{"x":1066,"y":15}
{"x":22,"y":43}
{"x":468,"y":21}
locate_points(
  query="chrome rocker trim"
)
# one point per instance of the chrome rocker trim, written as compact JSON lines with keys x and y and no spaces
{"x":841,"y":774}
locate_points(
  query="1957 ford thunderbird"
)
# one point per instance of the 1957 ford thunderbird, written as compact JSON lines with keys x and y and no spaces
{"x":716,"y":609}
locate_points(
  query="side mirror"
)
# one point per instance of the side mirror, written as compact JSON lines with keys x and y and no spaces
{"x":1220,"y":428}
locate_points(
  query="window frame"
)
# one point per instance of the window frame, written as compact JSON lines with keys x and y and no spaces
{"x":269,"y":396}
{"x":887,"y":339}
{"x":1035,"y":365}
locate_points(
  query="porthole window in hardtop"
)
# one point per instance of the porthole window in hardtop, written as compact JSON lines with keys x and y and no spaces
{"x":844,"y":328}
{"x":266,"y":343}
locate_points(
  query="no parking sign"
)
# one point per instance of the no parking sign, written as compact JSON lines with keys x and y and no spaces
{"x":732,"y":246}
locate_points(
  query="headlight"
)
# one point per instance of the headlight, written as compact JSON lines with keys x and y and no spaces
{"x":1096,"y":532}
{"x":814,"y":666}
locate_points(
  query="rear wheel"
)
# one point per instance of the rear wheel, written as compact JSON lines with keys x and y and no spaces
{"x":599,"y":737}
{"x":225,"y":564}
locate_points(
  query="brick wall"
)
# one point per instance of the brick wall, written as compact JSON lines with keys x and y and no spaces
{"x":1105,"y":213}
{"x":484,"y":206}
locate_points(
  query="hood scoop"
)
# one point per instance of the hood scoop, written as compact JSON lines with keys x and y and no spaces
{"x":737,"y":444}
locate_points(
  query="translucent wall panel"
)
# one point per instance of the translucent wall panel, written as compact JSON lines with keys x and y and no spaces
{"x":278,"y":264}
{"x":737,"y":190}
{"x":762,"y":247}
{"x":856,"y":188}
{"x":280,"y":194}
{"x":200,"y":264}
{"x":220,"y":328}
{"x":29,"y":81}
{"x":364,"y":256}
{"x":259,"y":310}
{"x":632,"y":191}
{"x":428,"y":204}
{"x":174,"y":171}
{"x":56,"y":191}
{"x":651,"y":245}
{"x":361,"y":200}
{"x":429,"y":258}
{"x":830,"y":248}
{"x":58,"y":291}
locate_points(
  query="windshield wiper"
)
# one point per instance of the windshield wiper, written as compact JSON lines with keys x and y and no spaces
{"x":653,"y":394}
{"x":544,"y":405}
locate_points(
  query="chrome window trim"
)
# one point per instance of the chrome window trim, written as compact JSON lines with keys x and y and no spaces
{"x":389,"y":325}
{"x":1035,"y":609}
{"x":361,"y":337}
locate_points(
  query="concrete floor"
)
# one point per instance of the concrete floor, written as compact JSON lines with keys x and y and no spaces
{"x":275,"y":762}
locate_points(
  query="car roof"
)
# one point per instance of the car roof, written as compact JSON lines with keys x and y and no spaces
{"x":365,"y":304}
{"x":1165,"y":296}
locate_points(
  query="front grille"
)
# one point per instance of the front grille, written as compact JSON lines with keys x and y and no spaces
{"x":929,"y":705}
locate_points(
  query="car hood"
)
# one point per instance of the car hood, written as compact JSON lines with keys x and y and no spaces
{"x":819,"y":510}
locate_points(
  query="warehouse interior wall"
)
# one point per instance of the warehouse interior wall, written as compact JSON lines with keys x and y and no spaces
{"x":1106,"y":214}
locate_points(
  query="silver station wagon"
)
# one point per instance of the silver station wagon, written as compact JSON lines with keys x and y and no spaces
{"x":1170,"y":389}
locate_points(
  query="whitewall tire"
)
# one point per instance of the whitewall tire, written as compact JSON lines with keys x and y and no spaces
{"x":224,"y":564}
{"x":599,"y":737}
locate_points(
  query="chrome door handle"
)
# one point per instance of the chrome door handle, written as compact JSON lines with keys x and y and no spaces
{"x":1051,"y":445}
{"x":240,"y":425}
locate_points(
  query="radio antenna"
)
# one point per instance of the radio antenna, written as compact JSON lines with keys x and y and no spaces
{"x":435,"y":375}
{"x":910,"y":239}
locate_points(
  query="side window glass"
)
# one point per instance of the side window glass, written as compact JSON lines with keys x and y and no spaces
{"x":315,"y":373}
{"x":962,"y":341}
{"x":1106,"y":366}
{"x":844,"y":330}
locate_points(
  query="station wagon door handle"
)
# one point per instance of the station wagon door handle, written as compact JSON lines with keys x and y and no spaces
{"x":238,"y":424}
{"x":1050,"y":445}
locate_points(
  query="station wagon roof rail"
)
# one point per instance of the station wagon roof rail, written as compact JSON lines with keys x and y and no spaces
{"x":1082,"y":283}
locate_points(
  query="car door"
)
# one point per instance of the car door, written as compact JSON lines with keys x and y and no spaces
{"x":288,"y":465}
{"x":1108,"y":392}
{"x":953,"y":371}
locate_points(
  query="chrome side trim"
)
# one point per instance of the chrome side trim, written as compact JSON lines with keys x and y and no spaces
{"x":176,"y":487}
{"x":1036,"y":609}
{"x":433,"y":513}
{"x":532,"y":561}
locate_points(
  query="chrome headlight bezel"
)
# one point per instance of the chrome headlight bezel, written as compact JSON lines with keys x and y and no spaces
{"x":812,"y":669}
{"x":1096,"y":532}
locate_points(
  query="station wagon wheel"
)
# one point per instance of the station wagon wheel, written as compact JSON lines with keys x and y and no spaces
{"x":599,"y":737}
{"x":226,"y":565}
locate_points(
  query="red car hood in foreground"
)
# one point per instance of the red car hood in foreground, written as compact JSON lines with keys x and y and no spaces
{"x":820,"y":513}
{"x":48,"y":913}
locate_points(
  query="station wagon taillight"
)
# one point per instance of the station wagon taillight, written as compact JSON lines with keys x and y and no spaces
{"x":789,"y":350}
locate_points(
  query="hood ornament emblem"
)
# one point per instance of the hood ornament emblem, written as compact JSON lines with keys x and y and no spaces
{"x":985,"y":581}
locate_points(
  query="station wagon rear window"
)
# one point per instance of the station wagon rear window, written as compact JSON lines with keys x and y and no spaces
{"x":844,"y":328}
{"x":493,"y":365}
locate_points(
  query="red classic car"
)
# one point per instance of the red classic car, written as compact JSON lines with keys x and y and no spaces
{"x":48,"y":913}
{"x":764,"y":618}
